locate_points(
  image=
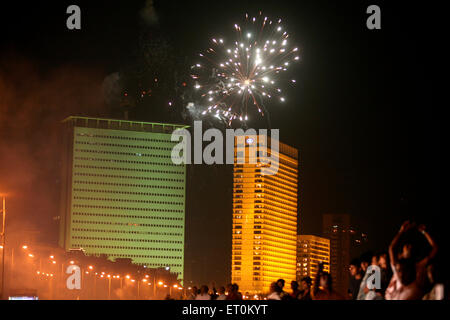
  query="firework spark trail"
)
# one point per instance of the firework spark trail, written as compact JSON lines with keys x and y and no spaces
{"x":245,"y":73}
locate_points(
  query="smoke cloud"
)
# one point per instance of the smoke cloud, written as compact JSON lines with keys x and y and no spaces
{"x":34,"y":99}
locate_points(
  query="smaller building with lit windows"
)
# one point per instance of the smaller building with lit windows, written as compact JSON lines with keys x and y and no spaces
{"x":311,"y":250}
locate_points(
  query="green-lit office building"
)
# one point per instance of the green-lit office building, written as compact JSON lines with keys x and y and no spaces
{"x":121,"y":194}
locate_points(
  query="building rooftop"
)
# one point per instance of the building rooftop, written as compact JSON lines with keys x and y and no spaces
{"x":119,"y":124}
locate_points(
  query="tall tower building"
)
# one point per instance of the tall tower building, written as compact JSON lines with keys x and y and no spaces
{"x":336,"y":228}
{"x":264,"y":218}
{"x":122,"y":196}
{"x":311,"y":251}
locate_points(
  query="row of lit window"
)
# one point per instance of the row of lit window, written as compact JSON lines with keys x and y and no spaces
{"x":316,"y":242}
{"x":130,"y":193}
{"x":238,"y":205}
{"x":150,"y":155}
{"x":289,"y":173}
{"x":87,"y":214}
{"x":249,"y":197}
{"x":283,"y":184}
{"x":313,"y":256}
{"x":128,"y":224}
{"x":237,"y":255}
{"x":278,"y":236}
{"x":319,"y":251}
{"x":267,"y":219}
{"x":129,"y":161}
{"x":129,"y":201}
{"x":280,"y":194}
{"x":254,"y":268}
{"x":128,"y":169}
{"x":124,"y":138}
{"x":239,"y":237}
{"x":126,"y":177}
{"x":129,"y":232}
{"x":270,"y":218}
{"x":129,"y":185}
{"x":121,"y":145}
{"x":267,"y":249}
{"x":129,"y":255}
{"x":157,"y":265}
{"x":279,"y":199}
{"x":128,"y":248}
{"x":288,"y":166}
{"x":126,"y":208}
{"x":132,"y":240}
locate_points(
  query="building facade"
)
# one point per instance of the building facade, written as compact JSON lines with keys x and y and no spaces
{"x":311,"y":251}
{"x":122,"y":196}
{"x":264,"y":228}
{"x":336,"y":227}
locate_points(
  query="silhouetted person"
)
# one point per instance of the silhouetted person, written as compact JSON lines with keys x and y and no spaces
{"x":203,"y":295}
{"x":386,"y":271}
{"x":280,"y":283}
{"x":356,"y":277}
{"x":323,"y":286}
{"x":305,"y":293}
{"x":436,"y":284}
{"x":366,"y":260}
{"x":221,"y":293}
{"x":192,"y":294}
{"x":275,"y":292}
{"x":234,"y":294}
{"x":371,"y":293}
{"x":295,"y":290}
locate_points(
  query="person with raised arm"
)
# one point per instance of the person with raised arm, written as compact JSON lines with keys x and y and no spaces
{"x":409,"y":277}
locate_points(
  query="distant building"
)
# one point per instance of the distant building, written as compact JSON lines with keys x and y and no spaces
{"x":336,"y":228}
{"x":122,"y":196}
{"x":264,"y":240}
{"x":312,"y":250}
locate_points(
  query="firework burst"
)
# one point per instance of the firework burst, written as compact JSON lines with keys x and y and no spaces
{"x":247,"y":72}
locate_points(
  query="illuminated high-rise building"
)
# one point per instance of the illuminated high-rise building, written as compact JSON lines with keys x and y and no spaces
{"x":336,"y":227}
{"x":312,"y":250}
{"x":122,"y":196}
{"x":264,"y":244}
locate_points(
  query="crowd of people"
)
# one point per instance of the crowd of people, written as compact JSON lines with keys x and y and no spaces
{"x":405,"y":272}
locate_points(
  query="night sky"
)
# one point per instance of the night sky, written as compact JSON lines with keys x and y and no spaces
{"x":362,"y":115}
